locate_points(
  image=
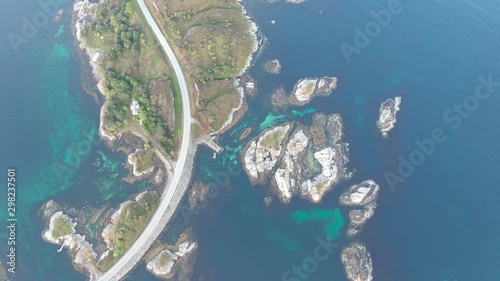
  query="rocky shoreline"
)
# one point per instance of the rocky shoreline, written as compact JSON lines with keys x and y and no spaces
{"x":243,"y":83}
{"x":60,"y":230}
{"x":177,"y":260}
{"x":133,"y":159}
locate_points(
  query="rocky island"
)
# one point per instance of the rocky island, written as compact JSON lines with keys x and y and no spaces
{"x":299,"y":160}
{"x":387,"y":118}
{"x":273,"y":66}
{"x":363,"y":196}
{"x":304,"y":91}
{"x":357,"y":262}
{"x":61,"y":231}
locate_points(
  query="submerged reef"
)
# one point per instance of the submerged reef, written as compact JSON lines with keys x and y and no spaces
{"x":332,"y":220}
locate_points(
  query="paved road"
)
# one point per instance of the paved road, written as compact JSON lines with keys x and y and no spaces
{"x":171,"y":187}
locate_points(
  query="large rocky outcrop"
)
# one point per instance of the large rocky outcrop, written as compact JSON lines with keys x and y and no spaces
{"x":363,"y":196}
{"x":262,"y":153}
{"x":175,"y":259}
{"x":313,"y":159}
{"x":304,"y":91}
{"x":387,"y":118}
{"x":357,"y":262}
{"x":61,"y":231}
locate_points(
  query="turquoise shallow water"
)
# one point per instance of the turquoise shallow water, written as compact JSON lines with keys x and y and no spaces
{"x":440,"y":223}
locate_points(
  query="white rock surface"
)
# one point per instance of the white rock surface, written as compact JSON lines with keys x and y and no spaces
{"x":387,"y":118}
{"x":319,"y":185}
{"x":304,"y":90}
{"x":283,"y":178}
{"x":262,"y":154}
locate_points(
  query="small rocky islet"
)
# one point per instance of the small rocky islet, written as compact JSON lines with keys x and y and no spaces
{"x":357,"y":262}
{"x":387,"y":117}
{"x":363,"y":197}
{"x":273,"y":66}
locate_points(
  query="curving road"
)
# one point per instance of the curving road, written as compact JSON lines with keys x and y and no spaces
{"x":171,"y":187}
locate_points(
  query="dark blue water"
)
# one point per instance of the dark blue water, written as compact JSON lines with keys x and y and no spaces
{"x":440,"y":223}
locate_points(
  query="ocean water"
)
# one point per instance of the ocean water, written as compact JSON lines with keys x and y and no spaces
{"x":440,"y":223}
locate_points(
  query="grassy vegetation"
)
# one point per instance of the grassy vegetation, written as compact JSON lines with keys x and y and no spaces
{"x":312,"y":166}
{"x":132,"y":221}
{"x":177,"y":108}
{"x":211,"y":39}
{"x":134,"y":68}
{"x":310,"y":86}
{"x":164,"y":260}
{"x":61,"y":228}
{"x":273,"y":140}
{"x":145,"y":159}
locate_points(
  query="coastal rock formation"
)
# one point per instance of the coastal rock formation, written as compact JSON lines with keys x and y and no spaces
{"x":174,"y":259}
{"x":313,"y":159}
{"x":308,"y":88}
{"x":61,"y":231}
{"x":58,"y":16}
{"x":85,"y":14}
{"x":262,"y":153}
{"x":162,"y":264}
{"x":198,"y":194}
{"x":357,"y":262}
{"x":273,"y":66}
{"x":362,"y":195}
{"x":387,"y":118}
{"x":304,"y":91}
{"x":279,"y":98}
